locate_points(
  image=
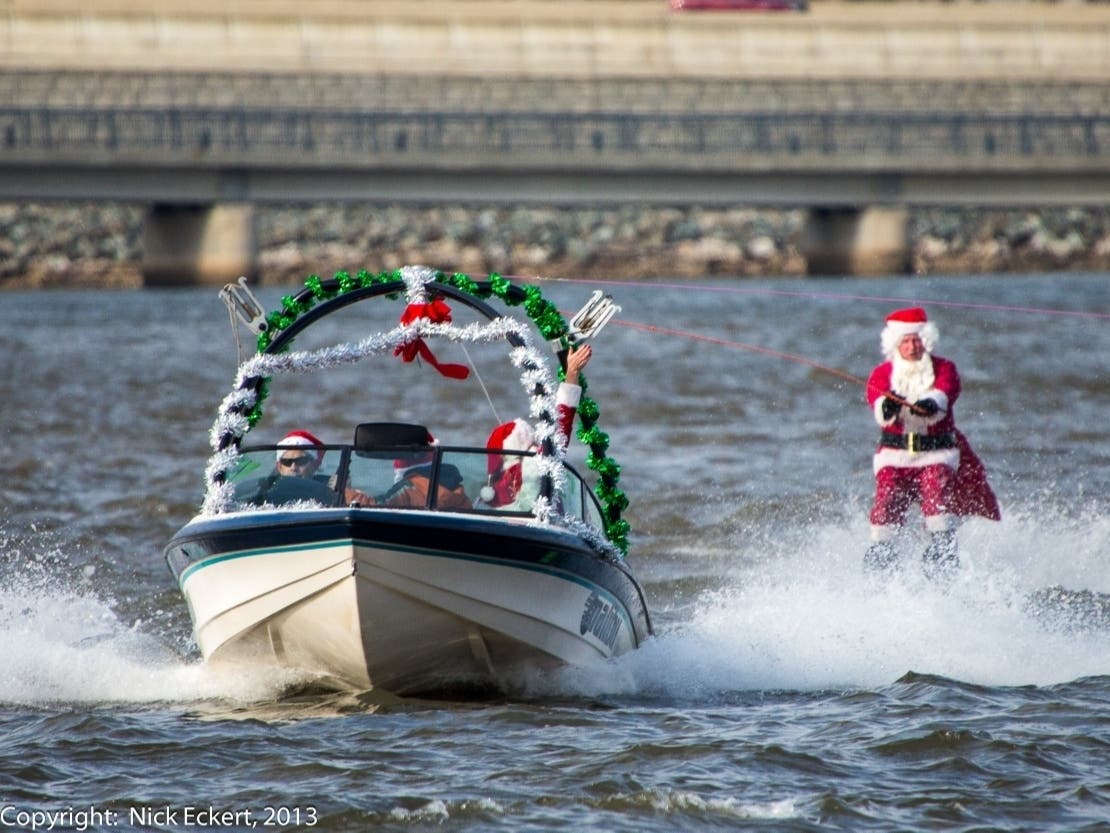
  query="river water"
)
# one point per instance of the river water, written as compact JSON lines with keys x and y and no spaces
{"x":783,"y":691}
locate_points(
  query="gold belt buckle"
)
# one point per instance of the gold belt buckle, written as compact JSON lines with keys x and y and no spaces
{"x":913,"y":443}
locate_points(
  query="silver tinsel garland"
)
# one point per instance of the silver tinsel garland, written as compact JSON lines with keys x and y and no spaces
{"x":535,"y":377}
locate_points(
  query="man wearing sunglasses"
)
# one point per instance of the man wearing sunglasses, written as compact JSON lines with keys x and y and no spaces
{"x":300,"y":454}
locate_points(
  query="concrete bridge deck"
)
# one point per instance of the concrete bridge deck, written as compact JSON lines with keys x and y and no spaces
{"x":569,"y":38}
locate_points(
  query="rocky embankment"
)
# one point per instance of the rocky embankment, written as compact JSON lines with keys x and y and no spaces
{"x":100,"y":245}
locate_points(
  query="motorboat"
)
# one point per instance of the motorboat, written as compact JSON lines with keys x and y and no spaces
{"x":429,"y":598}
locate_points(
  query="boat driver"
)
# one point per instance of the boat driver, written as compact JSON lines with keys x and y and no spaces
{"x":300,"y":454}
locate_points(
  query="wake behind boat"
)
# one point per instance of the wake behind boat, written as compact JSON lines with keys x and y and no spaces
{"x":333,"y":575}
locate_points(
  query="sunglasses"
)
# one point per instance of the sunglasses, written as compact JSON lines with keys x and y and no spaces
{"x":299,"y":462}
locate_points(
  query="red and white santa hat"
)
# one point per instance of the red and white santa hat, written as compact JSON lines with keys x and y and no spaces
{"x":517,"y":435}
{"x":909,"y":321}
{"x":301,"y":439}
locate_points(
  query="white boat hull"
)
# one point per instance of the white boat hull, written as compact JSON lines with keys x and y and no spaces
{"x":400,"y":617}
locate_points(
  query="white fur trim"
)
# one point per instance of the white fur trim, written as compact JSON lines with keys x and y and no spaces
{"x":895,"y":331}
{"x":401,"y":473}
{"x":295,"y":442}
{"x":521,"y":438}
{"x":939,"y":523}
{"x":903,"y":459}
{"x":568,"y":394}
{"x":882,"y":533}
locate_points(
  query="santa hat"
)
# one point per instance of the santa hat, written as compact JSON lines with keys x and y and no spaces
{"x":904,"y":322}
{"x":517,"y":435}
{"x":301,"y":439}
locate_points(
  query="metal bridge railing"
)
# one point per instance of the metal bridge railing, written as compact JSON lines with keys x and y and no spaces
{"x":305,"y":138}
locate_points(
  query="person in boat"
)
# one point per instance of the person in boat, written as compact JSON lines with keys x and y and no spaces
{"x":412,"y":473}
{"x":300,"y":454}
{"x":513,"y":482}
{"x":921,"y":456}
{"x":414,"y":479}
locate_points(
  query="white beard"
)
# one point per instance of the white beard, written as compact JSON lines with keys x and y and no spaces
{"x":912,"y":380}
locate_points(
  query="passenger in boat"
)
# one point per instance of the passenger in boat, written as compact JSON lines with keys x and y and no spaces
{"x":412,"y":473}
{"x":514,"y":481}
{"x":921,"y":456}
{"x":414,"y":478}
{"x":300,"y":454}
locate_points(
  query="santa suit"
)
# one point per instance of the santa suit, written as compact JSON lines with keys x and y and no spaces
{"x":917,"y":456}
{"x":515,"y":480}
{"x":922,"y":458}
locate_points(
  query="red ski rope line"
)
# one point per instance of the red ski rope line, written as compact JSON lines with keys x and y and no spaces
{"x":1105,"y":316}
{"x":652,"y":328}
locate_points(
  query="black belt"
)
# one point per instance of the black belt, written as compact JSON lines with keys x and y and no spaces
{"x":914,"y":443}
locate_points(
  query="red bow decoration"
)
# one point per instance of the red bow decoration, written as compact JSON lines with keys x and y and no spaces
{"x":438,"y":313}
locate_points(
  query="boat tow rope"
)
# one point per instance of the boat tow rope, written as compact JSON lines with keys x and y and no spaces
{"x":848,"y":377}
{"x":754,"y":348}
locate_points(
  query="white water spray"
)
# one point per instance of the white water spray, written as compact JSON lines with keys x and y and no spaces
{"x":807,"y":618}
{"x":64,"y":645}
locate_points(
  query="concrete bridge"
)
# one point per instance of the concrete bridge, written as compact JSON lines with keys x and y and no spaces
{"x":847,"y":111}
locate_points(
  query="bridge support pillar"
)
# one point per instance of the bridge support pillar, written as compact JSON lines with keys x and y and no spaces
{"x":855,"y":241}
{"x":185,"y":245}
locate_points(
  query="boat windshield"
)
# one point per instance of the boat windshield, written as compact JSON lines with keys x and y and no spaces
{"x":472,"y":480}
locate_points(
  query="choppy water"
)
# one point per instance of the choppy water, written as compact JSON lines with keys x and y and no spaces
{"x":783,"y":692}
